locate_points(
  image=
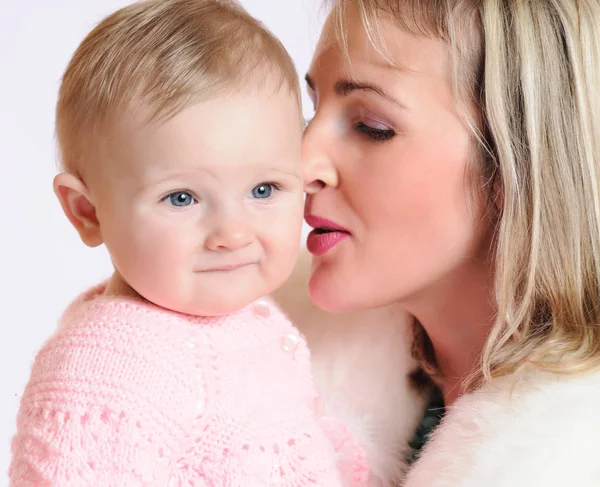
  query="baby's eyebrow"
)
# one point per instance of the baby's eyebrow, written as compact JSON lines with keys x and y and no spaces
{"x":285,"y":172}
{"x":171,"y":175}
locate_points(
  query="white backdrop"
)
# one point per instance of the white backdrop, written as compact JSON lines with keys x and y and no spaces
{"x":43,"y":263}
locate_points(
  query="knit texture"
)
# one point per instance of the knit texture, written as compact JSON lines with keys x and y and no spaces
{"x":130,"y":394}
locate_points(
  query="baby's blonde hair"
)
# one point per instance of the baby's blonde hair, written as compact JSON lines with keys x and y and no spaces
{"x":531,"y":69}
{"x":166,"y":55}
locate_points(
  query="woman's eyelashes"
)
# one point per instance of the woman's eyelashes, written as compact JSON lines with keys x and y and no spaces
{"x":374,"y":130}
{"x":373,"y":126}
{"x":378,"y":134}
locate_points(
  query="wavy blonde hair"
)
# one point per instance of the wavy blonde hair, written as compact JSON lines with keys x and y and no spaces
{"x":532,"y":71}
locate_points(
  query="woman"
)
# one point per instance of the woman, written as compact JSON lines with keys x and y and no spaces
{"x":452,"y":170}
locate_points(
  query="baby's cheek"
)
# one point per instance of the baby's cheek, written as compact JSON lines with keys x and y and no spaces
{"x":283,"y":258}
{"x":158,"y":258}
{"x":288,"y":237}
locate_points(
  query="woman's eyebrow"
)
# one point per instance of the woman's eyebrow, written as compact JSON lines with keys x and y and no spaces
{"x":344,"y":87}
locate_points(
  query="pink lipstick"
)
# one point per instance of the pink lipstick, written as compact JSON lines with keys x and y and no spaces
{"x":325,"y":236}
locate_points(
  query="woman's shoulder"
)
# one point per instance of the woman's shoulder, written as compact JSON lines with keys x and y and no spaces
{"x":543,"y":429}
{"x":537,"y":399}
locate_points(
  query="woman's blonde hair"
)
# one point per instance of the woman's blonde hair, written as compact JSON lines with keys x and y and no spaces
{"x":532,"y":70}
{"x":166,"y":55}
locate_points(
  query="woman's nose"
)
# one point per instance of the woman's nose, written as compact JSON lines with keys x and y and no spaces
{"x":319,"y":170}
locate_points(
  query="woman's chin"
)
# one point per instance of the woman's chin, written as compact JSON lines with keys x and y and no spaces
{"x":335,"y":289}
{"x":330,"y":293}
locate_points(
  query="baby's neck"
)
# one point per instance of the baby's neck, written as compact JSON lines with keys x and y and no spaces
{"x":118,"y":287}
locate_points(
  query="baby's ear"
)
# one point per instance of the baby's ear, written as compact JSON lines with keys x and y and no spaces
{"x":77,"y":204}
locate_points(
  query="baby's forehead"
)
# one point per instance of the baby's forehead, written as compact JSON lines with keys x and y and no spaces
{"x":154,"y":162}
{"x":220,"y":171}
{"x":219,"y":138}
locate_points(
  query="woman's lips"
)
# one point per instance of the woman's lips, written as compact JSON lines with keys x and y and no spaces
{"x":325,"y":236}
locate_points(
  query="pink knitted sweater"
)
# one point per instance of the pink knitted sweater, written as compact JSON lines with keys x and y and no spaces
{"x":130,"y":394}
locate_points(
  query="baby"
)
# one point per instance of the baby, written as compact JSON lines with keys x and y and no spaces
{"x":179,"y":127}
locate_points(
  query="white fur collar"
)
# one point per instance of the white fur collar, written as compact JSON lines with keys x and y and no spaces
{"x":543,"y":433}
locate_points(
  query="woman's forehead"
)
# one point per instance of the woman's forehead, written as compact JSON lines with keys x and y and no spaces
{"x":392,"y":50}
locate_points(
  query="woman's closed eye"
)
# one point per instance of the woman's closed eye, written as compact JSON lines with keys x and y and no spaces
{"x":180,"y":199}
{"x":375,"y":130}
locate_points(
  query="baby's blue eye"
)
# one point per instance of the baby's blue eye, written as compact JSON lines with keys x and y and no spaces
{"x":262,"y":191}
{"x":180,"y":199}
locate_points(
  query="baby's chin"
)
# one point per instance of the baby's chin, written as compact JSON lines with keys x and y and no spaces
{"x":214,"y":304}
{"x":214,"y":295}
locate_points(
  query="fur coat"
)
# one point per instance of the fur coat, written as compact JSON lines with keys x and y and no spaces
{"x":540,"y":431}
